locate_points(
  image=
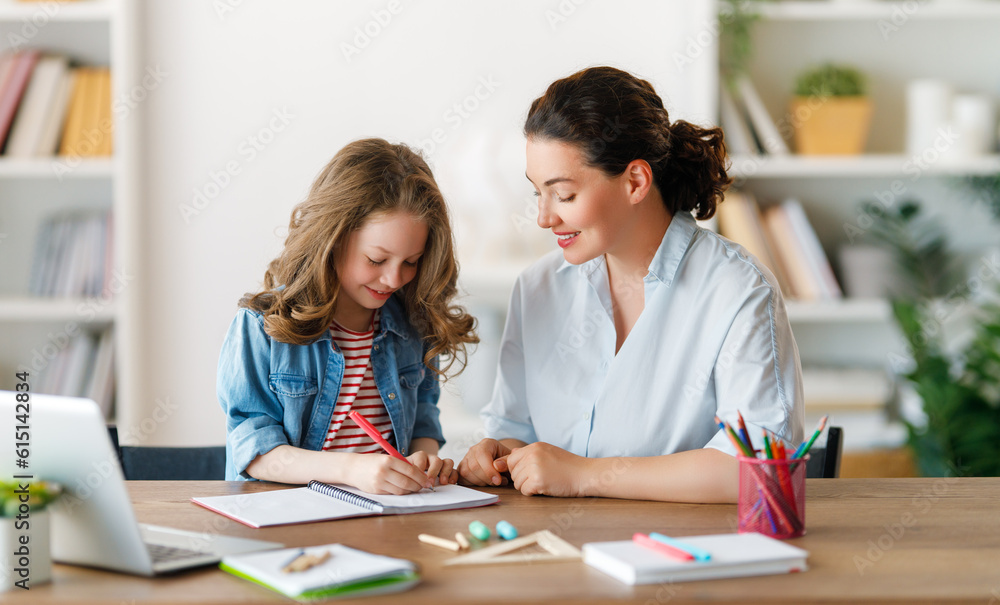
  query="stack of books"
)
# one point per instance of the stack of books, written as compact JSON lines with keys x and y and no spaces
{"x":84,"y":367}
{"x":782,"y":238}
{"x":48,"y":107}
{"x":747,"y":125}
{"x":73,"y":256}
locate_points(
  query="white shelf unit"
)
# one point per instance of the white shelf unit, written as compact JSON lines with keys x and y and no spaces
{"x":892,"y":50}
{"x":931,"y":10}
{"x":867,"y":166}
{"x":90,"y":33}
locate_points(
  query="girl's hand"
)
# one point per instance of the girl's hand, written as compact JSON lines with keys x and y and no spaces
{"x":442,"y":469}
{"x":382,"y":474}
{"x":542,"y":468}
{"x":479,"y":467}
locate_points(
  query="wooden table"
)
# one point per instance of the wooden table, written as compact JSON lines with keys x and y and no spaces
{"x":871,"y":540}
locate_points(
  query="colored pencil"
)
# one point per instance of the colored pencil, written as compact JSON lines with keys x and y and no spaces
{"x":804,"y":448}
{"x":740,"y":446}
{"x":744,"y":432}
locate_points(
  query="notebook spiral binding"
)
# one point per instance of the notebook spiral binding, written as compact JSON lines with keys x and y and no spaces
{"x":329,"y":490}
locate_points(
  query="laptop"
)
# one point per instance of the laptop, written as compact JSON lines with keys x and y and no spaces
{"x":93,"y":523}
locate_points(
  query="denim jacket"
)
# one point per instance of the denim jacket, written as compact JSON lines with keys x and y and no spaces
{"x":277,"y":393}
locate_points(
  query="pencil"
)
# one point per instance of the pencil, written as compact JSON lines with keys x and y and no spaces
{"x":804,"y":448}
{"x":740,"y":446}
{"x":744,"y":432}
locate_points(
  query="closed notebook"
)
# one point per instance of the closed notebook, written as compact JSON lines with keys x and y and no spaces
{"x":324,"y":502}
{"x":347,"y":572}
{"x":733,"y":556}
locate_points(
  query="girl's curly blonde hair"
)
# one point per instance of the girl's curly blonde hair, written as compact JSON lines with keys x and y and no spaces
{"x":367,"y":178}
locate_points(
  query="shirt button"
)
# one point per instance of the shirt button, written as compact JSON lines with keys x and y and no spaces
{"x":392,"y":395}
{"x":586,"y":416}
{"x":375,"y":347}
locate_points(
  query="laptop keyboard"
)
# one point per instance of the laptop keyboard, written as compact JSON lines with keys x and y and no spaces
{"x":164,"y":554}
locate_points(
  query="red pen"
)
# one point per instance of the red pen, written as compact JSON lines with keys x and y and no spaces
{"x":379,"y":439}
{"x":660,"y":547}
{"x":374,"y":434}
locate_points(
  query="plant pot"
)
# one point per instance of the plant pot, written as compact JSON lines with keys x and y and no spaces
{"x":831,"y":125}
{"x":31,"y":563}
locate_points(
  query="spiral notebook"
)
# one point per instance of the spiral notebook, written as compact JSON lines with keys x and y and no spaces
{"x":324,"y":502}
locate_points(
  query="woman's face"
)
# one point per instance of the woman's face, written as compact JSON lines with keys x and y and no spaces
{"x":584,"y":208}
{"x":379,"y":259}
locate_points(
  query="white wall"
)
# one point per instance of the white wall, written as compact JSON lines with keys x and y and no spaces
{"x":231,"y":74}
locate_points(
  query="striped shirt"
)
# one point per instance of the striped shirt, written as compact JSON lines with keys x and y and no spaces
{"x":357,"y":393}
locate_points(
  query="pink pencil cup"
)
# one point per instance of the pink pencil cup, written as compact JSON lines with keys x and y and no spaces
{"x":772,"y":499}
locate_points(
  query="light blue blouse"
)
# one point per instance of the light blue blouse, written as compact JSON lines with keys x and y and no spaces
{"x":713,"y":338}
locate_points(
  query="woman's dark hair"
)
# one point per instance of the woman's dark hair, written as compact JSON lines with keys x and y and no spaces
{"x":614,"y":118}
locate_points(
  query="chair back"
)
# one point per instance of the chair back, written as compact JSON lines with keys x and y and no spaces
{"x":824,"y":462}
{"x":141,"y":463}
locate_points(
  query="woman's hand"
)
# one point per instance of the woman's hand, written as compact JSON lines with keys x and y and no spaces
{"x":477,"y":468}
{"x":381,"y":474}
{"x":441,"y":469}
{"x":542,"y":468}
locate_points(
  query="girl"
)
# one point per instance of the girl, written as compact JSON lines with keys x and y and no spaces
{"x":618,"y":354}
{"x":354,"y":315}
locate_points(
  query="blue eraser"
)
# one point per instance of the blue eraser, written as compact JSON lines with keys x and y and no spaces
{"x":479,"y":530}
{"x":506,"y":531}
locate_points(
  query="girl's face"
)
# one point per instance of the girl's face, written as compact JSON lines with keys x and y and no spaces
{"x":379,"y":259}
{"x":584,"y":208}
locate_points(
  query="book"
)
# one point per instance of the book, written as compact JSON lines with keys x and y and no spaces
{"x":44,"y":89}
{"x":819,"y":264}
{"x":72,"y":134}
{"x":55,"y":118}
{"x":767,"y":132}
{"x":733,"y":556}
{"x":740,"y":221}
{"x":324,"y":502}
{"x":803,"y":283}
{"x":13,"y":89}
{"x":347,"y":572}
{"x":739,"y":139}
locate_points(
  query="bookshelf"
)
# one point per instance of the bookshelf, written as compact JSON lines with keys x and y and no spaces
{"x":868,"y":166}
{"x":888,"y":42}
{"x":33,"y":329}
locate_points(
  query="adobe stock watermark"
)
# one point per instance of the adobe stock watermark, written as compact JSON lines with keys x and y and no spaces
{"x":87,"y":310}
{"x":248,"y":149}
{"x":895,"y":531}
{"x":33,"y":23}
{"x":215,"y":524}
{"x":710,"y":31}
{"x":101,"y":470}
{"x":898,"y":17}
{"x":122,"y":107}
{"x":458,"y":113}
{"x":932,"y":323}
{"x":223,"y":8}
{"x":562,"y":12}
{"x":914,"y":167}
{"x":366,"y":33}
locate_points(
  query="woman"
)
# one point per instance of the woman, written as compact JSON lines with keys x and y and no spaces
{"x":617,"y":356}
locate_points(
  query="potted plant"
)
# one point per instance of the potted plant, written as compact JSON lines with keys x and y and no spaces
{"x":830,"y":111}
{"x":25,"y":558}
{"x":957,"y":380}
